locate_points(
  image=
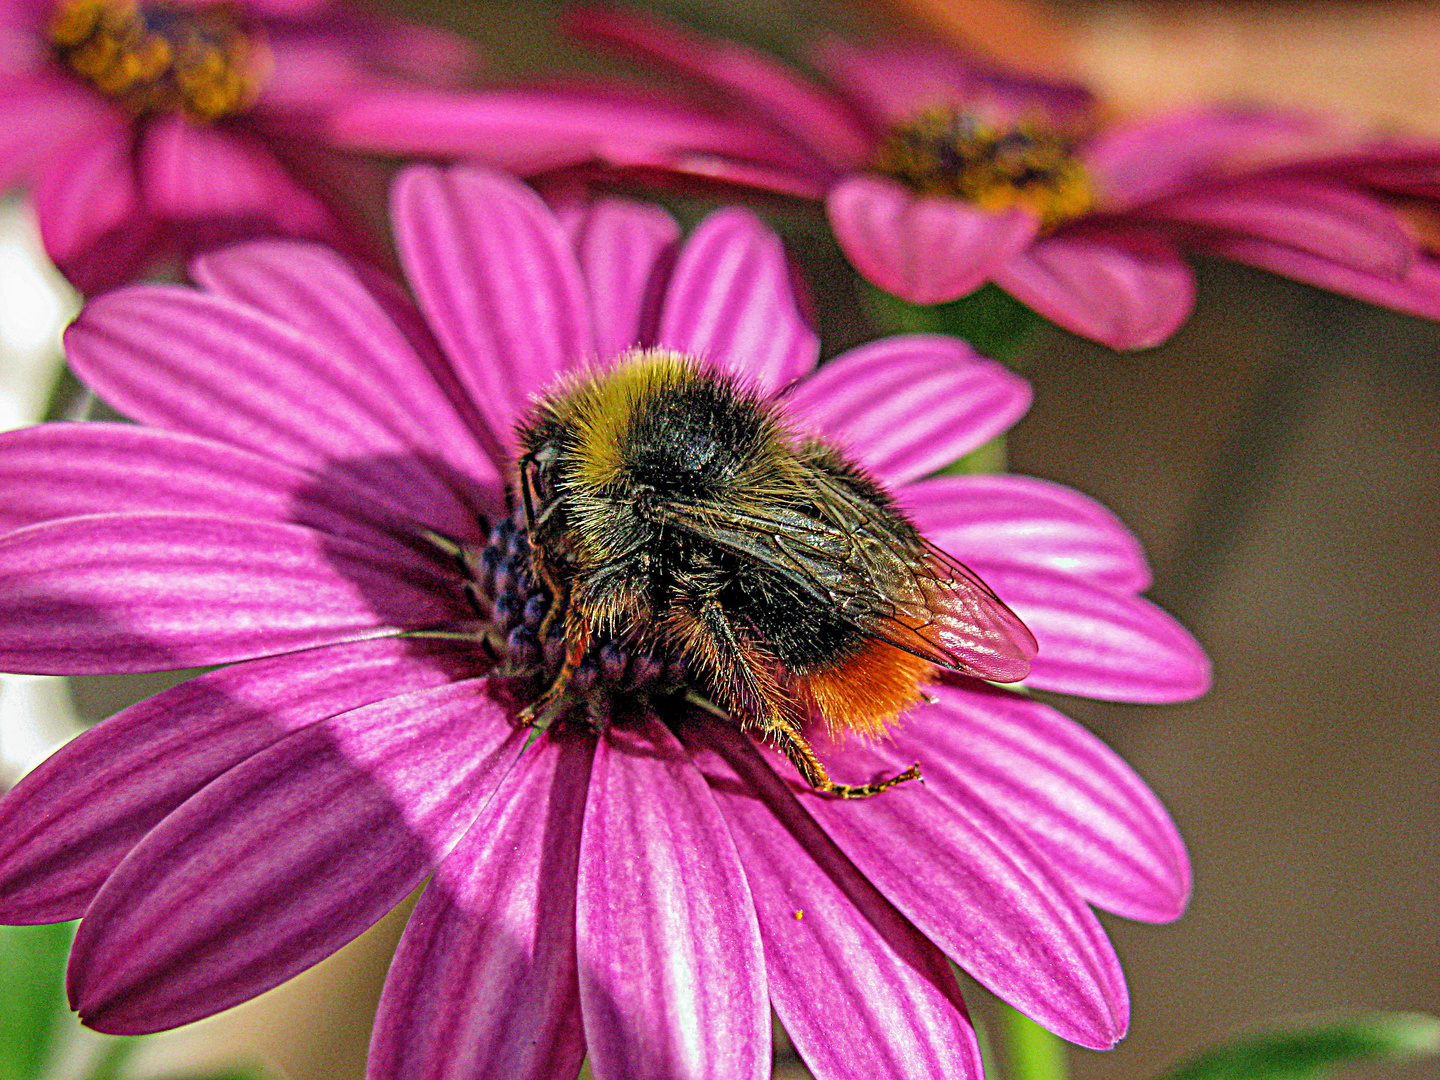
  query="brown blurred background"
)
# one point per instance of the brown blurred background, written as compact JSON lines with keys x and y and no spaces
{"x":1280,"y":459}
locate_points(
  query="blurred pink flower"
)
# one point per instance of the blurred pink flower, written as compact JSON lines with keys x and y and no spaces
{"x":646,"y":894}
{"x":940,"y":174}
{"x":150,"y":127}
{"x":1364,"y":221}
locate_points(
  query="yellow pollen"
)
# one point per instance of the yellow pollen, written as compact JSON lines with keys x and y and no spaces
{"x":955,"y":154}
{"x":156,"y":57}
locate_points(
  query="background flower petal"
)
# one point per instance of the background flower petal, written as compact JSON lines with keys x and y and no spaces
{"x":1325,"y":219}
{"x":861,"y":992}
{"x":923,"y":249}
{"x":534,"y":130}
{"x":1135,"y":163}
{"x":318,"y":292}
{"x":978,"y":889}
{"x":774,"y":91}
{"x":87,"y":199}
{"x":147,"y":592}
{"x":1417,"y":292}
{"x":672,"y":979}
{"x":731,"y":300}
{"x":498,"y":282}
{"x":207,"y":365}
{"x":1125,"y":290}
{"x":211,"y":178}
{"x":1097,"y":642}
{"x":626,"y":251}
{"x":286,"y":857}
{"x":891,"y":83}
{"x":1002,"y":517}
{"x":484,"y":981}
{"x":38,"y":115}
{"x":70,"y":821}
{"x":907,"y":405}
{"x":1073,"y":797}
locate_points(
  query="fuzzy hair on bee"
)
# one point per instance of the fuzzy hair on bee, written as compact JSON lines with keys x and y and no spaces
{"x":672,"y":507}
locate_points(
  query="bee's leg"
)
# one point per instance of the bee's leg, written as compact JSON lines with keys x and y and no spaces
{"x":789,"y":741}
{"x":547,"y":706}
{"x":749,"y":689}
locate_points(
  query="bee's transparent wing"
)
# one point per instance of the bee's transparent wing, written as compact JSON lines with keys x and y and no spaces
{"x":871,"y":566}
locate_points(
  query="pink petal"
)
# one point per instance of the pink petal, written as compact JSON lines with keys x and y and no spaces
{"x":484,"y":982}
{"x":1135,"y":163}
{"x":286,"y":857}
{"x":53,"y":471}
{"x":672,"y":979}
{"x":316,"y":291}
{"x":192,"y":173}
{"x":498,"y":282}
{"x":92,"y":221}
{"x":67,"y":824}
{"x":923,"y":249}
{"x":148,"y":592}
{"x":777,"y":93}
{"x":38,"y":116}
{"x":890,"y":83}
{"x":1324,"y":219}
{"x":626,"y":250}
{"x":205,"y":365}
{"x":1082,"y":807}
{"x":528,"y":131}
{"x":418,"y":52}
{"x":860,"y":991}
{"x":1019,"y":519}
{"x":979,"y":889}
{"x":1096,"y":642}
{"x":1417,"y":293}
{"x":730,"y":300}
{"x":288,"y":9}
{"x":1125,"y":290}
{"x":908,"y":405}
{"x":310,"y":71}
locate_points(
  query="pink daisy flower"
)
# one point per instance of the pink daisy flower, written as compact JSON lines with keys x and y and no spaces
{"x":154,"y":126}
{"x":644,"y":895}
{"x":939,"y":175}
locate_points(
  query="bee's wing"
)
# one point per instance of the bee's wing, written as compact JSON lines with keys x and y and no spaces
{"x":870,"y":566}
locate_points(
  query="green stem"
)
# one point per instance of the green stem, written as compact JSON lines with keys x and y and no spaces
{"x":1032,"y":1052}
{"x":112,"y":1059}
{"x":997,"y":325}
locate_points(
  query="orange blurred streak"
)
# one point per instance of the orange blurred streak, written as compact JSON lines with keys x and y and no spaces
{"x":1021,"y":34}
{"x":1372,"y":64}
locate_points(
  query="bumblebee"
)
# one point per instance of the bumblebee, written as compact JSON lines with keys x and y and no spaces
{"x":674,"y":510}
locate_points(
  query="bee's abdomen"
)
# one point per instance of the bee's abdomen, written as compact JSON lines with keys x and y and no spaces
{"x":800,"y":630}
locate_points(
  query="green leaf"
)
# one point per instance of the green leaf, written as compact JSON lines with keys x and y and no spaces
{"x":32,"y":996}
{"x":991,"y":320}
{"x":1299,"y":1053}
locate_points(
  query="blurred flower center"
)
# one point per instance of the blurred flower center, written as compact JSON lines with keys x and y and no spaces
{"x":528,"y":645}
{"x":948,"y":152}
{"x":202,"y":61}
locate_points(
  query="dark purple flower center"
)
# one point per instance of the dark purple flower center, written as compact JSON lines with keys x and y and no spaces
{"x":203,"y":61}
{"x":513,"y":607}
{"x":957,"y":154}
